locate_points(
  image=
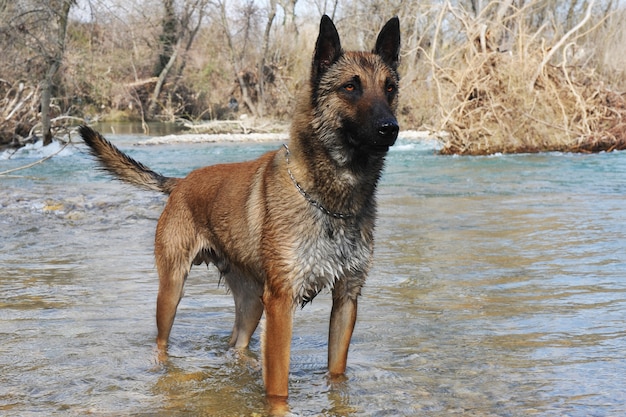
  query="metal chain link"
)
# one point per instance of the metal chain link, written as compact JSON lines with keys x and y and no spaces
{"x":306,"y":195}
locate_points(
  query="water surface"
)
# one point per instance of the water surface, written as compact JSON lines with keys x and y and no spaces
{"x":498,"y":289}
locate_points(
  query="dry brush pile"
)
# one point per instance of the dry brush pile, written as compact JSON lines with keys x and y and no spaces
{"x":524,"y":100}
{"x":18,"y":110}
{"x":20,"y":122}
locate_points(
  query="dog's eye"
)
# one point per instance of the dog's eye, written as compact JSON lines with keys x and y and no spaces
{"x":349,"y":87}
{"x":391,"y":88}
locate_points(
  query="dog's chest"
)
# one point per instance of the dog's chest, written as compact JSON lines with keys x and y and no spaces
{"x":334,"y":253}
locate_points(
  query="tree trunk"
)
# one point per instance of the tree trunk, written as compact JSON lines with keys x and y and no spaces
{"x":168,"y":38}
{"x":289,"y":20}
{"x":54,"y":63}
{"x":261,"y":70}
{"x":161,"y":80}
{"x":46,"y":97}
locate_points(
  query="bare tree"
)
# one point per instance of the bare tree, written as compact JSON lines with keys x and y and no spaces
{"x":192,"y":18}
{"x":37,"y":30}
{"x":178,"y":30}
{"x":262,"y":68}
{"x":168,"y":38}
{"x":245,"y":79}
{"x":328,"y":7}
{"x":289,"y":19}
{"x":59,"y":12}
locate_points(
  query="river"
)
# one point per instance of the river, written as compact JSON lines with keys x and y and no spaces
{"x":498,"y":289}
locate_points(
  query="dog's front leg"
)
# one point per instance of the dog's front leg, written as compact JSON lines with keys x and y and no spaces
{"x":276,"y":340}
{"x":342,"y":320}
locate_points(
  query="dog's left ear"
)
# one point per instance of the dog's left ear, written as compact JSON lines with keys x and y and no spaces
{"x":388,"y":43}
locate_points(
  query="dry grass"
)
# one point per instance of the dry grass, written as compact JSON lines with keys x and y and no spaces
{"x":494,"y":110}
{"x":528,"y":99}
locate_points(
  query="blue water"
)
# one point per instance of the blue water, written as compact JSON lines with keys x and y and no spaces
{"x":498,"y":289}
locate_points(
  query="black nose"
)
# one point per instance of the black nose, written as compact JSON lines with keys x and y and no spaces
{"x":388,"y":131}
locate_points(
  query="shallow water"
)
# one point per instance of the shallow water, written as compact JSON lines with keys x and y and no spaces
{"x":498,"y":289}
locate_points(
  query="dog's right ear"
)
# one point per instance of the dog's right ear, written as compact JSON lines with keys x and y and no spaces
{"x":327,"y":48}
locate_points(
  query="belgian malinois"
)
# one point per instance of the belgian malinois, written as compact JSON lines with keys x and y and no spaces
{"x":295,"y":221}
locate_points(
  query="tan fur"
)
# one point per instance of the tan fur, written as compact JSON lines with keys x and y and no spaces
{"x":292,"y":222}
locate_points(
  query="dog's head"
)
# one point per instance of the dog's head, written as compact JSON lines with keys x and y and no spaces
{"x":355,"y":94}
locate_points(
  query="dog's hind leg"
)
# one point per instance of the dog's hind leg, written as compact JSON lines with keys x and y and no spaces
{"x":171,"y":281}
{"x":248,"y":307}
{"x":175,"y":248}
{"x":342,"y":320}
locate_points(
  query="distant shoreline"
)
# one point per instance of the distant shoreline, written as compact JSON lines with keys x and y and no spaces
{"x":252,"y":137}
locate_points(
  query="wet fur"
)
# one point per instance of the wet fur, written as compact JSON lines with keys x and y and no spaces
{"x":274,"y":247}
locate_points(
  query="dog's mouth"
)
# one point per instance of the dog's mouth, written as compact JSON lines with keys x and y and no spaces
{"x":373,"y":148}
{"x":378,"y":149}
{"x":370,"y":148}
{"x":381,"y":146}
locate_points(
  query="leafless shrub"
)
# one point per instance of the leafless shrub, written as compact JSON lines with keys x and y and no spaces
{"x":529,"y":98}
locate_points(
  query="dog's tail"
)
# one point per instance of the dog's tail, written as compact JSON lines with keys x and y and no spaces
{"x":123,"y":166}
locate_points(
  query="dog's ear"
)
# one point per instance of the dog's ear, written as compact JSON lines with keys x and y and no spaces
{"x":327,"y":48}
{"x":388,"y":43}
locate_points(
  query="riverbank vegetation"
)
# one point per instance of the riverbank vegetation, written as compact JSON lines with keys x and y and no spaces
{"x":490,"y":76}
{"x":511,"y":88}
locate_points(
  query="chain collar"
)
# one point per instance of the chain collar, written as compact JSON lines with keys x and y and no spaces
{"x":310,"y":199}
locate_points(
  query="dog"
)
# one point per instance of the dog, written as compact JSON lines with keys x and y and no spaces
{"x":291,"y":223}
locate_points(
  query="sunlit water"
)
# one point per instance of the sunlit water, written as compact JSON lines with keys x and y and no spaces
{"x":498,"y":289}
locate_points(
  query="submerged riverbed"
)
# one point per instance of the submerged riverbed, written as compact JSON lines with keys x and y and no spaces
{"x":498,"y":289}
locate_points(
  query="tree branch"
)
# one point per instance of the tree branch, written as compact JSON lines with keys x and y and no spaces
{"x":560,"y":43}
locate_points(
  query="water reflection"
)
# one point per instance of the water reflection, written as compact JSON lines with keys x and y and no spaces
{"x":497,"y":289}
{"x":221,"y":386}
